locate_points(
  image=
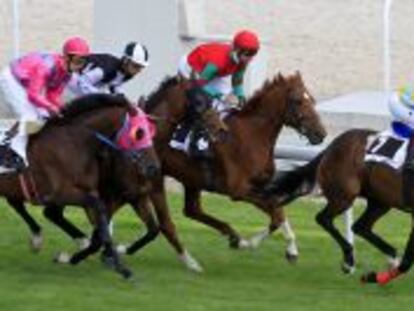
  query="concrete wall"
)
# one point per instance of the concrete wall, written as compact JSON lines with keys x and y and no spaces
{"x":44,"y":24}
{"x":336,"y":44}
{"x":118,"y":22}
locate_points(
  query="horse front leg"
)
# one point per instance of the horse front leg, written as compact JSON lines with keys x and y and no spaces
{"x":36,"y":240}
{"x":384,"y":277}
{"x":193,"y":210}
{"x":278,"y":220}
{"x":363,"y":227}
{"x":167,"y":227}
{"x":142,"y":209}
{"x":100,"y":237}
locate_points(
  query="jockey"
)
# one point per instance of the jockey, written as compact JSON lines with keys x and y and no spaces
{"x":216,"y":71}
{"x":401,"y":106}
{"x":106,"y":73}
{"x":32,"y":87}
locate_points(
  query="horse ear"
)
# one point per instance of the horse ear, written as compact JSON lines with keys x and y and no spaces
{"x":281,"y":78}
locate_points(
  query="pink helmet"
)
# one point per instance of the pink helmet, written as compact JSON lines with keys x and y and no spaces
{"x":246,"y":40}
{"x":76,"y":46}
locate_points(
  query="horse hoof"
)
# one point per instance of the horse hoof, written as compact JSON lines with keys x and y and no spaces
{"x":291,"y":258}
{"x":347,"y":269}
{"x":108,"y":261}
{"x":370,"y":277}
{"x":83,"y":243}
{"x":62,"y":257}
{"x":394,"y":263}
{"x":191,"y":263}
{"x":121,"y":249}
{"x":36,"y":243}
{"x":126,"y":273}
{"x":255,"y":243}
{"x":244,"y":244}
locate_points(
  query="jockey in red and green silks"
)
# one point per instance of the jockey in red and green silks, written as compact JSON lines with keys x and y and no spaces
{"x":216,"y":72}
{"x":218,"y":68}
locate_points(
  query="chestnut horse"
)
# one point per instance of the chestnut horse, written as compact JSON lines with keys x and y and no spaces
{"x":343,"y":176}
{"x":241,"y":163}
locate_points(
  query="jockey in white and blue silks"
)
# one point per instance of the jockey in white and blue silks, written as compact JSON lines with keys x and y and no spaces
{"x":401,"y":106}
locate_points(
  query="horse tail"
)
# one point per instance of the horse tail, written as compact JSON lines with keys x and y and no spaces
{"x":297,"y":183}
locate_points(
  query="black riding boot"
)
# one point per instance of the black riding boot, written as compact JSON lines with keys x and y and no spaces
{"x":199,"y":143}
{"x":10,"y":159}
{"x":408,"y":175}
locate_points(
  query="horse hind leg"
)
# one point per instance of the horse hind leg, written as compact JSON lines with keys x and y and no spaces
{"x":54,"y":213}
{"x":363,"y":227}
{"x":325,"y":219}
{"x":36,"y":240}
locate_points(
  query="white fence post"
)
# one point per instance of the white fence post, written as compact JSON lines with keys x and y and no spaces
{"x":16,"y":28}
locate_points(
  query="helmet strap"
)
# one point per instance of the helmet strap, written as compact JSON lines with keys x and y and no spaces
{"x":235,"y":56}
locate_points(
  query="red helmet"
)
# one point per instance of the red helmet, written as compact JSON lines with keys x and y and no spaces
{"x":246,"y":40}
{"x":76,"y":46}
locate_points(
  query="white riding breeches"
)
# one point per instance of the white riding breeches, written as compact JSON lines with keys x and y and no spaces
{"x":14,"y":104}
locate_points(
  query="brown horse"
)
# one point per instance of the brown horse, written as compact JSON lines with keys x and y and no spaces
{"x":241,"y":163}
{"x":119,"y":183}
{"x":343,"y":175}
{"x":64,"y":168}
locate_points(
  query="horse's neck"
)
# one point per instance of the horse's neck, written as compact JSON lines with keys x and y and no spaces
{"x":265,"y":120}
{"x":169,"y":113}
{"x":106,"y":121}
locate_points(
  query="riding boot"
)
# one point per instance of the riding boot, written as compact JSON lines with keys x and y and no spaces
{"x":408,"y":175}
{"x":8,"y":157}
{"x":199,"y":143}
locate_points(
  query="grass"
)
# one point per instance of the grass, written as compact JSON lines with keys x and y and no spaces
{"x":233,"y":280}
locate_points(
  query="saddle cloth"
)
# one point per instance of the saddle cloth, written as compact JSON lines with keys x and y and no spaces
{"x":388,"y":148}
{"x":182,"y":136}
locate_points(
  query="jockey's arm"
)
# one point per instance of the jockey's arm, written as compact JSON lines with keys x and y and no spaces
{"x":209,"y":72}
{"x":35,"y":88}
{"x":55,"y":97}
{"x":85,"y":83}
{"x":237,"y":84}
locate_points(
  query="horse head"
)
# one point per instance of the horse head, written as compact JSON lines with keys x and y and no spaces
{"x":104,"y":118}
{"x":300,"y":112}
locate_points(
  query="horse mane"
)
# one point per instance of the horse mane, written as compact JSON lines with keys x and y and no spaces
{"x":88,"y":103}
{"x":155,"y":97}
{"x":257,"y":97}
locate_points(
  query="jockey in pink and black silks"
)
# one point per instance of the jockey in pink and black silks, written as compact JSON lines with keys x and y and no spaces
{"x":32,"y":86}
{"x":216,"y":70}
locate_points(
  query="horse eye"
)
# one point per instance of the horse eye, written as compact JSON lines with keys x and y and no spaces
{"x":140,"y":134}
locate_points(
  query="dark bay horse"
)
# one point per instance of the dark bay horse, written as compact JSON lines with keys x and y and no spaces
{"x":241,"y":163}
{"x":343,"y":176}
{"x":64,"y":158}
{"x":120,"y":183}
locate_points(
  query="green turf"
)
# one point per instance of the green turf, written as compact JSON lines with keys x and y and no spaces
{"x":233,"y":280}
